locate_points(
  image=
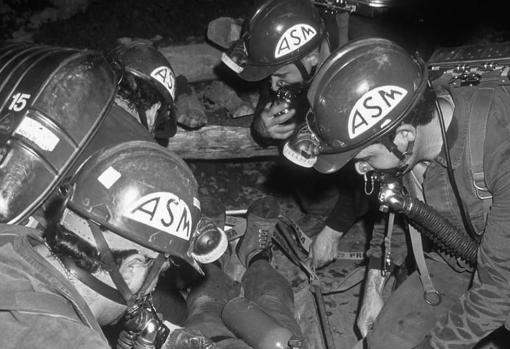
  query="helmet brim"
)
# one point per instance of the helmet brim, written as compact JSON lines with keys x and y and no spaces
{"x":258,"y":72}
{"x":329,"y":163}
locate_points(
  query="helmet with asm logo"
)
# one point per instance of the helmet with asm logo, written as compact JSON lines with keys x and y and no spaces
{"x":144,"y":61}
{"x":142,"y":192}
{"x":361,"y":92}
{"x":280,"y":32}
{"x":146,"y":71}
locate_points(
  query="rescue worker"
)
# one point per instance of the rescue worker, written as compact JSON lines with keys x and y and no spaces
{"x":57,"y":109}
{"x":372,"y":103}
{"x":285,"y":42}
{"x":120,"y":226}
{"x":63,"y":104}
{"x":147,"y":87}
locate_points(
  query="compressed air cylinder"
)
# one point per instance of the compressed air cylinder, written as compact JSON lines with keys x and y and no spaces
{"x":254,"y":326}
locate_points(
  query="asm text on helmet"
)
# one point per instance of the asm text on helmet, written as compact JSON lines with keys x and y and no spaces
{"x":166,"y":78}
{"x":372,"y":107}
{"x":294,"y":38}
{"x":163,"y":211}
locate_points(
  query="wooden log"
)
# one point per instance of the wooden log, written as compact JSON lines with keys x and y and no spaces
{"x":218,"y":142}
{"x":196,"y":62}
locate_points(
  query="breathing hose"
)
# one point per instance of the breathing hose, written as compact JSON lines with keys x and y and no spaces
{"x":429,"y":222}
{"x":441,"y":232}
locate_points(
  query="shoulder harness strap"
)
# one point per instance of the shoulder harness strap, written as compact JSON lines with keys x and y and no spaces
{"x":38,"y":303}
{"x":481,"y":103}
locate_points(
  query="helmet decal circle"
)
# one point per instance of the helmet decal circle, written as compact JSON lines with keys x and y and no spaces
{"x":163,"y":211}
{"x":372,"y":107}
{"x":294,"y":38}
{"x":165,"y":77}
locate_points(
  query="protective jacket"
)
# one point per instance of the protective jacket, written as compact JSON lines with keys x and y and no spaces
{"x":39,"y":308}
{"x":486,"y":305}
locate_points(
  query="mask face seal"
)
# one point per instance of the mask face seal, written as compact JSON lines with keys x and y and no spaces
{"x":303,"y":147}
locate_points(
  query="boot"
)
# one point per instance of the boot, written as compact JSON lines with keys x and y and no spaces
{"x":261,"y":219}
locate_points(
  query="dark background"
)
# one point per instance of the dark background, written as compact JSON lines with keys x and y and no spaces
{"x":418,"y":24}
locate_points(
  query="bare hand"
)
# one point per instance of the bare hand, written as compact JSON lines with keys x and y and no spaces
{"x":267,"y":125}
{"x":324,"y":248}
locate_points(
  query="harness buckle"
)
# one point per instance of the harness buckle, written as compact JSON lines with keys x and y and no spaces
{"x":481,"y":191}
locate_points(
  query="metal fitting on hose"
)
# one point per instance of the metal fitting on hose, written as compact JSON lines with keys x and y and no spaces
{"x":427,"y":220}
{"x":391,"y":197}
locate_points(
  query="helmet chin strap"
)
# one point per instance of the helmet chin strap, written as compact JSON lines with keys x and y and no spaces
{"x":307,"y":77}
{"x":143,"y":117}
{"x":392,"y":147}
{"x":121,"y":294}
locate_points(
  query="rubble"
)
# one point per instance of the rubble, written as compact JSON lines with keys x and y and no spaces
{"x":220,"y":95}
{"x":189,"y":109}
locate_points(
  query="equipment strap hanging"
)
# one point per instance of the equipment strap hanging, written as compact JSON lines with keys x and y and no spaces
{"x":430,"y":294}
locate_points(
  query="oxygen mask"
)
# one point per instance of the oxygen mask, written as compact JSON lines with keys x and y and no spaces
{"x":143,"y":327}
{"x":303,"y":147}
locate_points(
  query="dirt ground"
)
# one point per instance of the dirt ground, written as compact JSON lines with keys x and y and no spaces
{"x":237,"y":183}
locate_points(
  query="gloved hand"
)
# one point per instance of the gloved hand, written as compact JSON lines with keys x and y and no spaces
{"x":370,"y":309}
{"x":267,"y":125}
{"x":188,"y":339}
{"x":324,"y":247}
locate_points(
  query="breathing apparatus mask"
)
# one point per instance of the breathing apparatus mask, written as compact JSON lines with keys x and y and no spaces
{"x":303,"y":147}
{"x":143,"y":327}
{"x":389,"y":185}
{"x":288,"y":94}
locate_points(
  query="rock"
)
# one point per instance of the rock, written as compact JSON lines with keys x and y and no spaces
{"x":68,"y":8}
{"x":223,"y":31}
{"x":223,"y":96}
{"x":190,"y":111}
{"x":197,"y":62}
{"x":244,"y":110}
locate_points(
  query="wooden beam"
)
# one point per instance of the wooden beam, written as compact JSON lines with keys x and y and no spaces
{"x":218,"y":142}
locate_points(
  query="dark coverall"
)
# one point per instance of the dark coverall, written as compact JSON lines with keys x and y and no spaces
{"x":39,"y":308}
{"x":473,"y":304}
{"x":261,"y":283}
